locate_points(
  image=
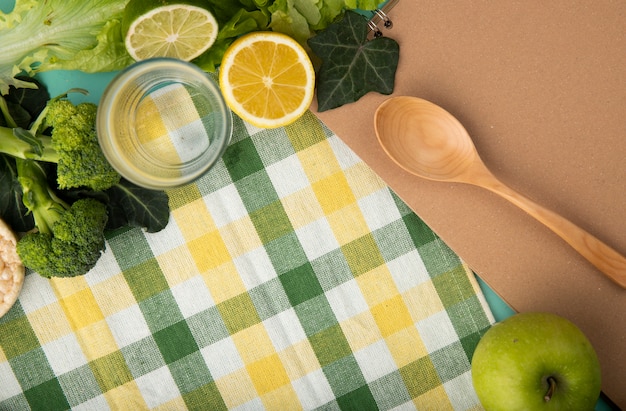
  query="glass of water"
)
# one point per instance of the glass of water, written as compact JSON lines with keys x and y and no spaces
{"x":163,"y":123}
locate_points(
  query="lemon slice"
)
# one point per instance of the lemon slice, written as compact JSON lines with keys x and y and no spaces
{"x":267,"y":79}
{"x":11,"y":269}
{"x":178,"y":31}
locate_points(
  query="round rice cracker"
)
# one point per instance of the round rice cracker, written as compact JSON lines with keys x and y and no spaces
{"x":11,"y":269}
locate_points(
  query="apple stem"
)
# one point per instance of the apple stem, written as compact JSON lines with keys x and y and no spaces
{"x":551,"y":389}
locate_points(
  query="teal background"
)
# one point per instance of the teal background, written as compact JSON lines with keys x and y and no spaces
{"x":59,"y":82}
{"x":6,"y":5}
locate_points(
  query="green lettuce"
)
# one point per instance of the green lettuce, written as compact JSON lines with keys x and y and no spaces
{"x":86,"y":35}
{"x":48,"y":35}
{"x":362,"y":4}
{"x":301,"y":19}
{"x":234,"y":19}
{"x":224,"y":11}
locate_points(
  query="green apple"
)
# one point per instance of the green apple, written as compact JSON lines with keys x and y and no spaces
{"x":536,"y":361}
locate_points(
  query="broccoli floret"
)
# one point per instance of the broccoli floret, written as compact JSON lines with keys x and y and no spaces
{"x":69,"y":238}
{"x":73,"y":145}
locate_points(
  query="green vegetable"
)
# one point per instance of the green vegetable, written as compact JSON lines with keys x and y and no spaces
{"x":70,"y":239}
{"x":25,"y":104}
{"x":233,"y":22}
{"x":60,"y":34}
{"x":73,"y":145}
{"x":66,"y":227}
{"x":133,"y":206}
{"x":301,"y":19}
{"x":12,"y":208}
{"x":21,"y":107}
{"x":352,"y":65}
{"x":86,"y":35}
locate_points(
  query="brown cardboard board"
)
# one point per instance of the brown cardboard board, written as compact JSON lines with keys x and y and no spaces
{"x":541,"y":88}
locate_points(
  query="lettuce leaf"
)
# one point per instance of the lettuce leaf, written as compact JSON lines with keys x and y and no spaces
{"x":48,"y":35}
{"x":301,"y":19}
{"x":241,"y":22}
{"x":85,"y":35}
{"x":224,"y":11}
{"x":362,"y":4}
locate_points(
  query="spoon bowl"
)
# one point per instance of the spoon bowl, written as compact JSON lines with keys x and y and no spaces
{"x":426,"y":140}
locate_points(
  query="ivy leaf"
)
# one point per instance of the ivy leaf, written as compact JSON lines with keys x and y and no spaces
{"x":352,"y":65}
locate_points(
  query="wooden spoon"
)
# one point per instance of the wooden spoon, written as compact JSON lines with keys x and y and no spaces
{"x":429,"y":142}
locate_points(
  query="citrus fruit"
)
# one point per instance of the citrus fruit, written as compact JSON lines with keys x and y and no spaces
{"x":167,"y":29}
{"x":11,"y":269}
{"x":267,"y":79}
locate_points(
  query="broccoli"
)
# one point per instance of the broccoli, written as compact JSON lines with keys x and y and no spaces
{"x":72,"y":145}
{"x":57,"y":187}
{"x":69,"y":238}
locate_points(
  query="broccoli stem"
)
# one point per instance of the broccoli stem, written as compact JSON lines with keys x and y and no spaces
{"x":37,"y":196}
{"x":12,"y":145}
{"x":39,"y":147}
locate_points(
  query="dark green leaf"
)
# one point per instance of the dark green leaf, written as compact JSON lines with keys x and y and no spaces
{"x":71,"y":195}
{"x":19,"y":114}
{"x":25,"y":104}
{"x":352,"y":65}
{"x":137,"y":207}
{"x":12,"y":209}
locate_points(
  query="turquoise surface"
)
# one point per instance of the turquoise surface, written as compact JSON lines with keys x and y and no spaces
{"x":499,"y":308}
{"x":6,"y":5}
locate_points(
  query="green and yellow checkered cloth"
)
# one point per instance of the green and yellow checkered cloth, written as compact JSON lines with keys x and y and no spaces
{"x":172,"y":123}
{"x":289,"y":277}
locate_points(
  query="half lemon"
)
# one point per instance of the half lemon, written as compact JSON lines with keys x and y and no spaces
{"x":267,"y":79}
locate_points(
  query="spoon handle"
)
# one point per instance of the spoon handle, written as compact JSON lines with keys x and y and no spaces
{"x":603,"y":257}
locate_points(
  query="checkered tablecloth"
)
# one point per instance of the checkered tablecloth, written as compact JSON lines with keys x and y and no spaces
{"x":167,"y":117}
{"x":289,"y":277}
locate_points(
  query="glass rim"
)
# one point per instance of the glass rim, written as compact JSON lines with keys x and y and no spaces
{"x":189,"y":170}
